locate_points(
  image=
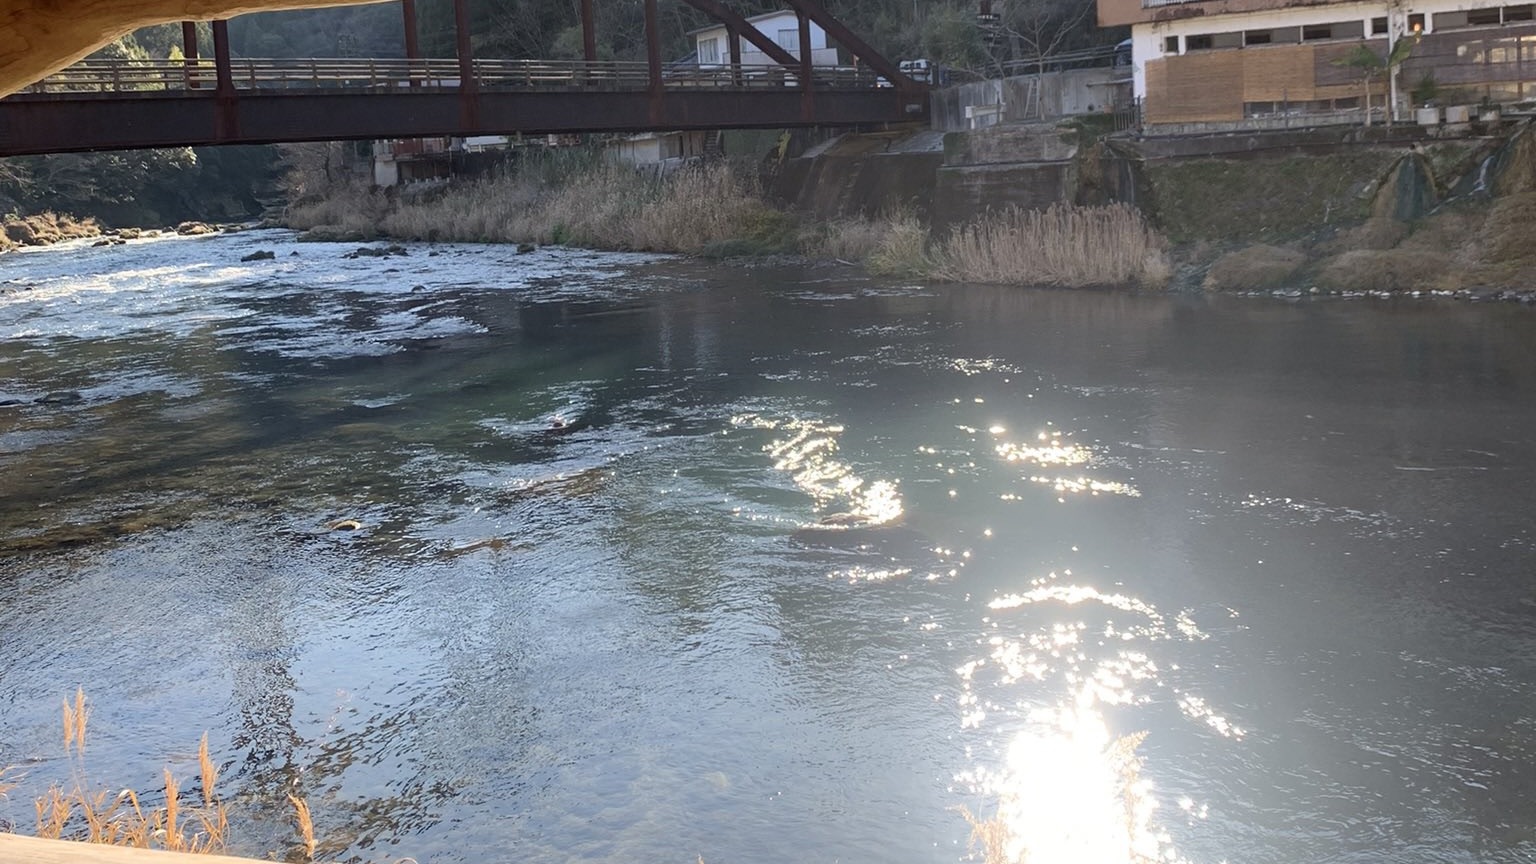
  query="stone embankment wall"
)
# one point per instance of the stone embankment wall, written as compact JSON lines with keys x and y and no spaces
{"x":1230,"y":186}
{"x":1323,"y":210}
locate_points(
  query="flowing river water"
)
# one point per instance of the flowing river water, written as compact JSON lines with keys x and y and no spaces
{"x":574,"y":556}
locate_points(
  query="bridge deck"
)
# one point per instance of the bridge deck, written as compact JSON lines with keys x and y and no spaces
{"x":99,"y":105}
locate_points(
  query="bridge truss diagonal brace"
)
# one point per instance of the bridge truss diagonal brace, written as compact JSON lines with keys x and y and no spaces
{"x":739,"y":25}
{"x":856,"y":46}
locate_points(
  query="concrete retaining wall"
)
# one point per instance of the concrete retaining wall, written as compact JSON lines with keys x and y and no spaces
{"x":1062,"y":94}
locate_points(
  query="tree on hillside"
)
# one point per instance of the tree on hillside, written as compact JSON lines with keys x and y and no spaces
{"x":1369,"y":65}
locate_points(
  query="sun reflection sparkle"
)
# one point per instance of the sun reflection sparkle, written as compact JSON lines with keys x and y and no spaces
{"x":1067,"y":787}
{"x":807,"y":451}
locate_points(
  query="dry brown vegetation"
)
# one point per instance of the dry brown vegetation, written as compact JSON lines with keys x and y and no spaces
{"x":1254,"y":269}
{"x":182,"y":822}
{"x":44,"y":229}
{"x":82,"y":811}
{"x":584,"y":202}
{"x":1385,"y":270}
{"x":1064,"y":245}
{"x":1378,"y":232}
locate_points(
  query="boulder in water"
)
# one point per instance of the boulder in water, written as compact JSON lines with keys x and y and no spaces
{"x":260,"y":255}
{"x":194,"y":229}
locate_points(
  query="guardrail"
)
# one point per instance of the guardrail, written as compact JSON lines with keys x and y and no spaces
{"x":1104,"y":55}
{"x":97,"y":76}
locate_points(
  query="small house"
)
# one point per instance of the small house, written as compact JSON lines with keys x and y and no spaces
{"x":712,"y":44}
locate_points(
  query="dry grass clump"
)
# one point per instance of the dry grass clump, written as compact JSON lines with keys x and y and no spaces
{"x":1386,"y":270}
{"x":1064,"y":245}
{"x":895,"y":243}
{"x":43,"y":229}
{"x":902,"y":250}
{"x":600,"y":205}
{"x":1507,"y":233}
{"x":81,"y":812}
{"x":1254,"y":269}
{"x":304,"y":824}
{"x":352,"y":208}
{"x":851,"y":240}
{"x":1378,"y":232}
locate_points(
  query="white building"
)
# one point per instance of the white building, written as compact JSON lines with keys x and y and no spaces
{"x":713,"y":51}
{"x":1236,"y":61}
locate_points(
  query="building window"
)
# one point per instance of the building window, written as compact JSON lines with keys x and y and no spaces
{"x":1519,"y":13}
{"x":1257,"y":37}
{"x":1483,"y":17}
{"x":709,"y":51}
{"x":1416,"y":22}
{"x":1203,"y":42}
{"x":1170,"y":45}
{"x":1336,"y":30}
{"x":1378,"y":26}
{"x":789,"y":40}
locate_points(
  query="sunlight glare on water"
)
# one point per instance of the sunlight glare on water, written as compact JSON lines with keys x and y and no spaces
{"x":807,"y":451}
{"x":574,"y":556}
{"x":1066,"y":788}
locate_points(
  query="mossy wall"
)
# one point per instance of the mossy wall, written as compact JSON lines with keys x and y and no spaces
{"x":1263,"y":198}
{"x":1253,"y":188}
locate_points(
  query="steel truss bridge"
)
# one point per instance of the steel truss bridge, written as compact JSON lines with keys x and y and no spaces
{"x":124,"y":104}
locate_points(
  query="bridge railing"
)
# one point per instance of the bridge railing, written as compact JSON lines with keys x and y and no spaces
{"x":114,"y":76}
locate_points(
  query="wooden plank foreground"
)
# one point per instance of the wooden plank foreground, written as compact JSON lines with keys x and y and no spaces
{"x":16,"y":849}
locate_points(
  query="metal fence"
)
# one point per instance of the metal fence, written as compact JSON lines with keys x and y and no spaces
{"x":283,"y":74}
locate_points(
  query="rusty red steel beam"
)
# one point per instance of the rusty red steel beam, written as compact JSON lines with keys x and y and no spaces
{"x":588,"y":32}
{"x":856,"y":46}
{"x":408,"y":24}
{"x":469,"y":106}
{"x":808,"y":99}
{"x":124,"y":121}
{"x":653,"y":58}
{"x":412,"y":35}
{"x":189,"y":50}
{"x":738,"y":24}
{"x":734,"y":39}
{"x":226,"y":108}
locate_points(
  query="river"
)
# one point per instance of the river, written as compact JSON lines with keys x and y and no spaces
{"x":601,"y":557}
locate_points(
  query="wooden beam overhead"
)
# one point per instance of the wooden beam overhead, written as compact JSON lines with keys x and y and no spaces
{"x":39,"y":37}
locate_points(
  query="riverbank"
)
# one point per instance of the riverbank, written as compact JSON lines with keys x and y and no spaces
{"x":713,"y":211}
{"x":1341,"y":211}
{"x":44,"y":229}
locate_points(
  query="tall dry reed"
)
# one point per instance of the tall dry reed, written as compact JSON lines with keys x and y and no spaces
{"x":80,"y":811}
{"x":894,"y":243}
{"x":1064,"y":245}
{"x":304,"y":824}
{"x":596,"y":204}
